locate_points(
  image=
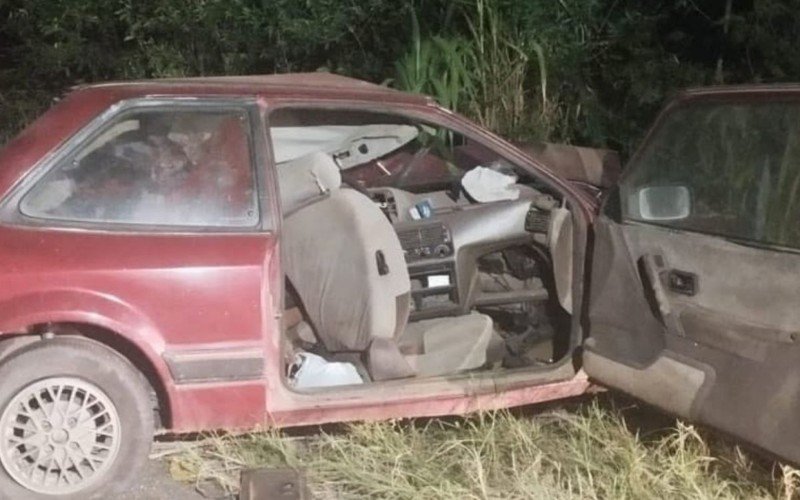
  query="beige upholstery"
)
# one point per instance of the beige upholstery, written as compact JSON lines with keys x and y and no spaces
{"x":447,"y":345}
{"x":561,"y":249}
{"x":346,"y":264}
{"x":331,"y":251}
{"x":306,"y":179}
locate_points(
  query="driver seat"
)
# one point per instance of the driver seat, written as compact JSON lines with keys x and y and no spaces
{"x":345,"y":262}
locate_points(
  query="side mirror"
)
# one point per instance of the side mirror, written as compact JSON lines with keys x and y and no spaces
{"x":660,"y":203}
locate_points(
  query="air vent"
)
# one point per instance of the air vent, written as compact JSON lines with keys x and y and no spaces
{"x":537,"y":221}
{"x":426,"y":242}
{"x":426,"y":236}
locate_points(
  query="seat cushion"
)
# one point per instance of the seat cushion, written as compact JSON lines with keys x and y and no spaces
{"x":385,"y":362}
{"x":444,"y":346}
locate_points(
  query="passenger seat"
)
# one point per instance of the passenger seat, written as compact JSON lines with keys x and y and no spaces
{"x":345,"y":261}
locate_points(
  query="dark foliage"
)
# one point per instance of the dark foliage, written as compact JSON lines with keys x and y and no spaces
{"x":609,"y":63}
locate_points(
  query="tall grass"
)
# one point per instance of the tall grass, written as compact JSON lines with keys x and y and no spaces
{"x":560,"y":455}
{"x":499,"y":100}
{"x":437,"y":66}
{"x":484,"y":73}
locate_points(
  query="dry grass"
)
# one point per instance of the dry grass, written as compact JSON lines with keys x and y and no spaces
{"x":589,"y":453}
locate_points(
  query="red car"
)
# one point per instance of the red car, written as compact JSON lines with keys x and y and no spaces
{"x":219,"y":253}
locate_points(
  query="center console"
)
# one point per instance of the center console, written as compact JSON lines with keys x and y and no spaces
{"x":428,"y":249}
{"x":443,"y":238}
{"x":426,"y":241}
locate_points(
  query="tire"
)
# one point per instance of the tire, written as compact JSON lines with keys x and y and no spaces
{"x":76,"y":403}
{"x":9,"y":346}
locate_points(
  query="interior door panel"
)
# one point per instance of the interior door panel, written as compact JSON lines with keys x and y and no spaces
{"x":726,"y":317}
{"x":622,"y":323}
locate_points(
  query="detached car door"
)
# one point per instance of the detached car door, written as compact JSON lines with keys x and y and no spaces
{"x":695,"y":281}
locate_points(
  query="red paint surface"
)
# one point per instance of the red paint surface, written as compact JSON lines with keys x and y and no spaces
{"x":433,"y":406}
{"x":167,"y":292}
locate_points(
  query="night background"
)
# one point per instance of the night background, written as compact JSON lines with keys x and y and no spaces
{"x":590,"y":72}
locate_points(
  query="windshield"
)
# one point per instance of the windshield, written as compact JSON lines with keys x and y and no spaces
{"x":379,"y":149}
{"x":350,"y":145}
{"x":740,"y":162}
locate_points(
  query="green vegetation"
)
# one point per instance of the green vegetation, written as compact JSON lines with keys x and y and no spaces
{"x":482,"y":73}
{"x":586,"y":71}
{"x":592,"y":453}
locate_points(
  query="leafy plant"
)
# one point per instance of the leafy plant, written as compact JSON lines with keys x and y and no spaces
{"x":483,"y":73}
{"x":437,"y":66}
{"x":500,"y":101}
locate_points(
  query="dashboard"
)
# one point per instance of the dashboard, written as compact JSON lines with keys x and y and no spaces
{"x":443,"y":236}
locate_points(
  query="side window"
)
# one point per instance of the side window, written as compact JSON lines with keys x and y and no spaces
{"x":727,"y":169}
{"x":172,"y":166}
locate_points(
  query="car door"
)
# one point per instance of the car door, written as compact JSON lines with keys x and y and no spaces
{"x":695,"y":275}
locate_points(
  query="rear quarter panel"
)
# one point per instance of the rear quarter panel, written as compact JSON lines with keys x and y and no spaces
{"x":161,"y":292}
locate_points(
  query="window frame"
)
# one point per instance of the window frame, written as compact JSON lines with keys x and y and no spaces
{"x":613,"y":203}
{"x":11,"y":212}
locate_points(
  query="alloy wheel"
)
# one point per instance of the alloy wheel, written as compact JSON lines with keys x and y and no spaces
{"x":59,"y":435}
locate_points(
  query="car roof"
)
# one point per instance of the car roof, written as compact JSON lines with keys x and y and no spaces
{"x":86,"y":102}
{"x":316,"y":85}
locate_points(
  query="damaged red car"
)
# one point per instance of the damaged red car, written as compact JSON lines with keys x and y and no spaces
{"x":225,"y":253}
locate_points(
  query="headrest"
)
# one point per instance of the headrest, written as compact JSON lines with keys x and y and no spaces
{"x":305,"y":178}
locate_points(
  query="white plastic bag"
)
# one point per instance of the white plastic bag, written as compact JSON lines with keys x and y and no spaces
{"x":309,"y":371}
{"x":485,"y":185}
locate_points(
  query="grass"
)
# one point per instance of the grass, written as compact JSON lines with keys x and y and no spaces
{"x":594,"y":451}
{"x":483,"y":73}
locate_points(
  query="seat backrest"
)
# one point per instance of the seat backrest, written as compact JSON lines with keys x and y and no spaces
{"x":306,"y":180}
{"x":345,"y":261}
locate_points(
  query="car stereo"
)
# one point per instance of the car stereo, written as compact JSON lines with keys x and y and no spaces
{"x":426,"y":241}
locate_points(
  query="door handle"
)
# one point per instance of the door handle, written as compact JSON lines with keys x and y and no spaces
{"x":682,"y":282}
{"x":652,"y":266}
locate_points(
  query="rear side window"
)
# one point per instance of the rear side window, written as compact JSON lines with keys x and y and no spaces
{"x":730,"y":169}
{"x":174,"y":167}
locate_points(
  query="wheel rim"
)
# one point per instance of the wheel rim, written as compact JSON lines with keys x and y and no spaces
{"x":59,"y":435}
